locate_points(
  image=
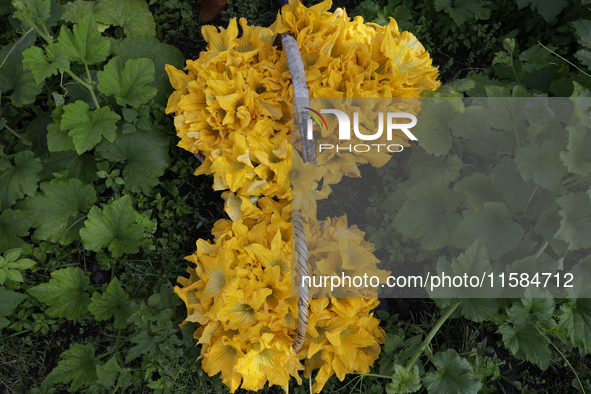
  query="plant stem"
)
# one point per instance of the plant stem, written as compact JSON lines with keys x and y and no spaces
{"x":431,"y":335}
{"x":91,"y":88}
{"x":17,"y":135}
{"x":86,"y":85}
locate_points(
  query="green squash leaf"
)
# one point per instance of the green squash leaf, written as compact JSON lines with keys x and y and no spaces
{"x":65,"y":293}
{"x":133,"y":16}
{"x":473,"y":262}
{"x":515,"y":191}
{"x":43,"y":66}
{"x":146,"y":154}
{"x":404,"y":381}
{"x":575,"y":226}
{"x":82,"y":166}
{"x":576,"y":319}
{"x":108,"y":372}
{"x":128,"y":83}
{"x":490,"y":224}
{"x":113,"y":227}
{"x":429,"y":215}
{"x":112,"y":302}
{"x":19,"y":180}
{"x":77,"y":365}
{"x":527,"y":342}
{"x":160,"y":53}
{"x":13,"y":225}
{"x":454,"y":375}
{"x":85,"y":44}
{"x":59,"y":208}
{"x":75,"y":11}
{"x":549,"y":9}
{"x":542,"y":163}
{"x":578,"y":157}
{"x":531,"y":310}
{"x":12,"y":75}
{"x":10,"y":301}
{"x":478,"y":187}
{"x":88,"y":127}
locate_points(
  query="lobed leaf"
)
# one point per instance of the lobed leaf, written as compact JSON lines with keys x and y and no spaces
{"x":133,"y":16}
{"x":88,"y":127}
{"x":77,"y":365}
{"x":146,"y":154}
{"x":84,"y":44}
{"x":113,"y":227}
{"x":112,"y":302}
{"x":454,"y":375}
{"x":429,"y":215}
{"x":12,"y":75}
{"x":65,"y":293}
{"x":490,"y":224}
{"x":527,"y":342}
{"x":20,"y":180}
{"x":58,"y":209}
{"x":128,"y":83}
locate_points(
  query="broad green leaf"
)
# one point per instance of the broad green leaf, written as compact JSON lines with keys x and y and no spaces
{"x":542,"y":163}
{"x":59,"y":208}
{"x":43,"y":66}
{"x":128,"y":83}
{"x":77,"y":365}
{"x":84,"y":44}
{"x":427,"y":168}
{"x":113,"y":227}
{"x":549,"y":9}
{"x":145,"y":344}
{"x":58,"y":139}
{"x":13,"y":78}
{"x":146,"y":154}
{"x":13,"y":225}
{"x":531,"y":310}
{"x":112,"y":302}
{"x":478,"y":187}
{"x":108,"y":372}
{"x":473,"y":262}
{"x":132,"y":15}
{"x":160,"y":53}
{"x":77,"y":10}
{"x":461,"y":10}
{"x":575,"y":226}
{"x":36,"y":131}
{"x":490,"y":224}
{"x":584,"y":57}
{"x":19,"y":180}
{"x":578,"y":157}
{"x":432,"y":128}
{"x":576,"y":319}
{"x":82,"y":166}
{"x":515,"y":191}
{"x":429,"y":215}
{"x":458,"y":86}
{"x":32,"y":11}
{"x":548,"y":225}
{"x":583,"y":29}
{"x":65,"y":293}
{"x":404,"y":381}
{"x":10,"y":300}
{"x":473,"y":125}
{"x":88,"y":127}
{"x":454,"y":375}
{"x":527,"y":342}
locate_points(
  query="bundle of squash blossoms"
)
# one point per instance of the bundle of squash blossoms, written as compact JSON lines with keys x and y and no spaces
{"x":233,"y":105}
